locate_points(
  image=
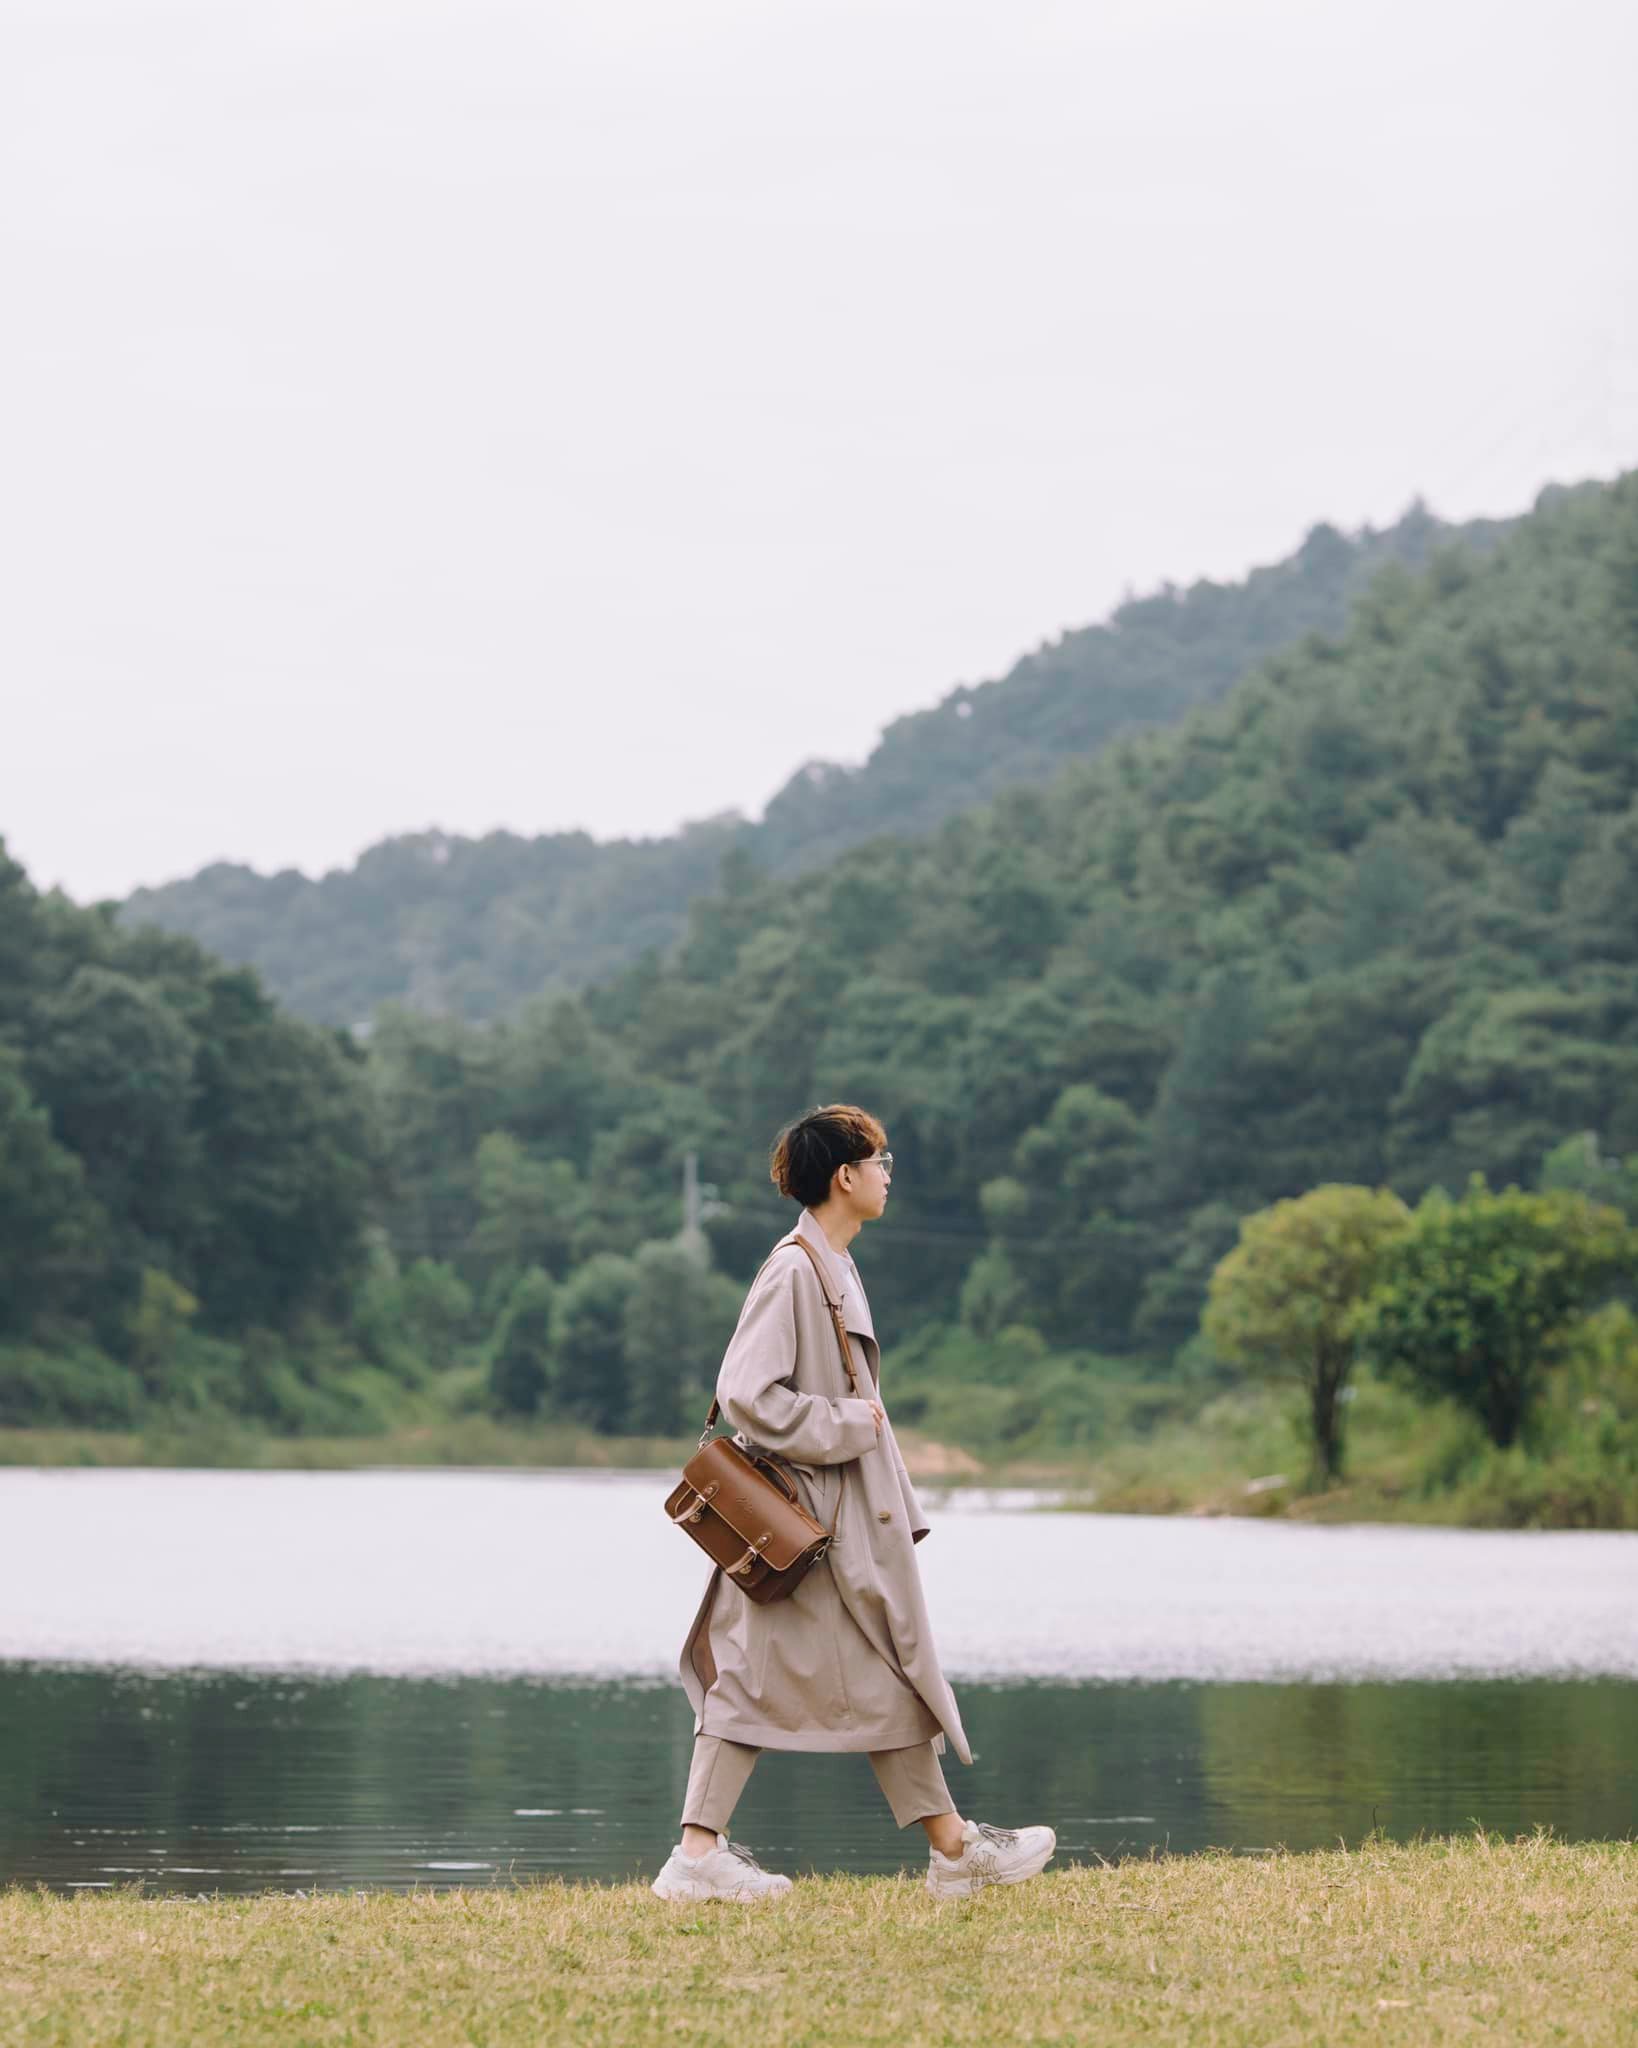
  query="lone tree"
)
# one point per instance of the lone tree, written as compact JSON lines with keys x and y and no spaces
{"x":1476,"y":1298}
{"x":1284,"y":1302}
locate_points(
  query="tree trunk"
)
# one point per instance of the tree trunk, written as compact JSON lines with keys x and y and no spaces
{"x":1503,"y":1414}
{"x":1326,"y":1423}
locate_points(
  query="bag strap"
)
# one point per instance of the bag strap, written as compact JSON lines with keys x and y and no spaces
{"x":836,"y":1323}
{"x":840,"y":1328}
{"x":835,"y":1308}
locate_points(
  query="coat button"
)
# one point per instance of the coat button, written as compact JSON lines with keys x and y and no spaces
{"x":884,"y":1515}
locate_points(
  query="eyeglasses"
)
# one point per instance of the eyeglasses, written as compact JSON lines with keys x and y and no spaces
{"x":882,"y":1159}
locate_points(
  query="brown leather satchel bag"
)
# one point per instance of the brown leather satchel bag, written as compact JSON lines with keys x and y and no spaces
{"x":742,"y":1510}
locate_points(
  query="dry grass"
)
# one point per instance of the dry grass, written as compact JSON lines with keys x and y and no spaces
{"x":1464,"y":1941}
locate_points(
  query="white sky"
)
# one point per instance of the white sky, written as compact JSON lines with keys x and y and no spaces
{"x":451,"y":413}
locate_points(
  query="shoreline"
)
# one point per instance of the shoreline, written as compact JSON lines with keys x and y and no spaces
{"x":1132,"y":1478}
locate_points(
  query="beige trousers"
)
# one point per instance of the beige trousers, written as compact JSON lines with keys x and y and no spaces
{"x":911,"y":1779}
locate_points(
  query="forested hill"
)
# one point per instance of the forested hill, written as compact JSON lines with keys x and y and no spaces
{"x":473,"y":927}
{"x":1371,"y":919}
{"x":1374,"y":919}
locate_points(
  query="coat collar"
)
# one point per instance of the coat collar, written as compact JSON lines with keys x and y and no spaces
{"x":849,"y":1290}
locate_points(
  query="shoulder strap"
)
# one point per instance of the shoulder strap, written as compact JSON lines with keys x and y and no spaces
{"x":836,"y":1322}
{"x":835,"y":1308}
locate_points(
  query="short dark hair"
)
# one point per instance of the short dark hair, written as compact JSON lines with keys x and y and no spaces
{"x":807,"y":1153}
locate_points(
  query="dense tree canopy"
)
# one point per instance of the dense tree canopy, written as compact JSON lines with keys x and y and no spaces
{"x":166,"y":1136}
{"x":1373,"y":919}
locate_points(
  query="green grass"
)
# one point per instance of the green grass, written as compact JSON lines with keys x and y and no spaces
{"x":1448,"y":1942}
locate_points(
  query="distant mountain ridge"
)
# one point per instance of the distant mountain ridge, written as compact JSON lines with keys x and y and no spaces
{"x":472,"y":927}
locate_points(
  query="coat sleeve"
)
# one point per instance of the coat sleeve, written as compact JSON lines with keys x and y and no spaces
{"x":756,"y":1390}
{"x":912,"y":1506}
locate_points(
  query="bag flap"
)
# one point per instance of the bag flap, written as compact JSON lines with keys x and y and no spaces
{"x":752,"y":1506}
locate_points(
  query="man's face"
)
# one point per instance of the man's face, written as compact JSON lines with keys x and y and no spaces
{"x":866,"y":1182}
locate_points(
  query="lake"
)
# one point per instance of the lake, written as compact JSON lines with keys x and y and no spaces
{"x":233,"y":1681}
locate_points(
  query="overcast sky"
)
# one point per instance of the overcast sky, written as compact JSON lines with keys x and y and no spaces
{"x":448,"y":413}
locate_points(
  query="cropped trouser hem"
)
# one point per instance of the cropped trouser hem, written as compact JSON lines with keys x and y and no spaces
{"x":911,"y":1781}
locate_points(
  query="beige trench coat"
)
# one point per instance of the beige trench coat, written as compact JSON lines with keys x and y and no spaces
{"x":846,"y":1661}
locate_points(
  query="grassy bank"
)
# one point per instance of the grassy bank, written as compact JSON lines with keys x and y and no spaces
{"x":1159,"y":1447}
{"x":1446,"y":1941}
{"x":1243,"y":1453}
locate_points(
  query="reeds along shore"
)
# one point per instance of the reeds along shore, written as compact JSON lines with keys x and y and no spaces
{"x":1444,"y":1941}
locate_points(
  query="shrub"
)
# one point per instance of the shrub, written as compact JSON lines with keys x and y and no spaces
{"x":521,"y":1356}
{"x":81,"y":1385}
{"x":1578,"y":1490}
{"x":675,"y":1326}
{"x":158,"y":1324}
{"x":589,"y":1376}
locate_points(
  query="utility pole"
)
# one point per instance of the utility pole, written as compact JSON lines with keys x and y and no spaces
{"x":691,"y":1197}
{"x":699,"y":1205}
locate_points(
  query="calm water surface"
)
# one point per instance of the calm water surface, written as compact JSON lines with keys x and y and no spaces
{"x":244,"y":1680}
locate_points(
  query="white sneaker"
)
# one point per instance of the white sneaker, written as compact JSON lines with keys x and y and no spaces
{"x":729,"y":1871}
{"x":990,"y":1856}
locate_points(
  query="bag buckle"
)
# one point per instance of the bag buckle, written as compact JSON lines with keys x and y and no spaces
{"x":744,"y":1565}
{"x":702,"y":1499}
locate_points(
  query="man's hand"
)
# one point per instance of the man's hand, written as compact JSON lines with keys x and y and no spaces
{"x":878,"y":1415}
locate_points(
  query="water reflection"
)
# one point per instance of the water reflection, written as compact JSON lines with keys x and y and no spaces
{"x":221,"y":1782}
